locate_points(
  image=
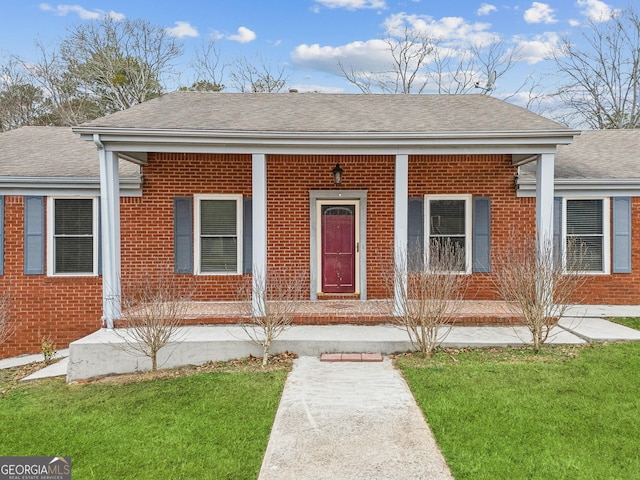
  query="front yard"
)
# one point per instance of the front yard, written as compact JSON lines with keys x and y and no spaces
{"x":205,"y":425}
{"x":569,"y":412}
{"x":566,"y":413}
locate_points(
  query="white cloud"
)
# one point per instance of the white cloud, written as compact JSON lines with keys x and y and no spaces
{"x":244,"y":35}
{"x":182,"y":29}
{"x":83,"y":13}
{"x":539,"y":13}
{"x":352,"y":4}
{"x":595,"y":10}
{"x":574,"y":23}
{"x":486,"y":9}
{"x":365,"y":56}
{"x":450,"y":30}
{"x":537,"y":49}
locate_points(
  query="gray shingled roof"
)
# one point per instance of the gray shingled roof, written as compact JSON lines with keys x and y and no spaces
{"x":315,"y":112}
{"x":51,"y":152}
{"x":597,"y":154}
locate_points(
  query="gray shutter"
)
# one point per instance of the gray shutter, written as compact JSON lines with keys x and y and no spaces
{"x":247,"y":235}
{"x":621,"y":235}
{"x":481,"y":235}
{"x":1,"y":235}
{"x":415,"y":234}
{"x":34,"y":235}
{"x":557,"y":230}
{"x":183,"y":235}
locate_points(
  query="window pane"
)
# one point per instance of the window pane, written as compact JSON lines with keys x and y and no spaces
{"x":447,"y":217}
{"x":219,"y":254}
{"x":585,"y":254}
{"x":74,"y":255}
{"x":73,"y":216}
{"x":218,"y":217}
{"x":584,"y":217}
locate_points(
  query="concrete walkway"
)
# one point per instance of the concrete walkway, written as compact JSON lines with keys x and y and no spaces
{"x":348,"y":420}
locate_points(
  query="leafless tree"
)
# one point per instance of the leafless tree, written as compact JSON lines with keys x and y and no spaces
{"x":209,"y":68}
{"x":65,"y":103}
{"x":153,"y":309}
{"x":539,"y":286}
{"x":476,"y":67}
{"x":270,"y":303}
{"x":119,"y":63}
{"x":602,"y":87}
{"x":407,"y":69}
{"x":420,"y":63}
{"x":259,"y":75}
{"x":433,"y":294}
{"x":21,"y":102}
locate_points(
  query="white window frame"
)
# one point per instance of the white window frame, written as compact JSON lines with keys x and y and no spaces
{"x":606,"y":235}
{"x":239,"y":233}
{"x":468,"y":224}
{"x":51,"y":242}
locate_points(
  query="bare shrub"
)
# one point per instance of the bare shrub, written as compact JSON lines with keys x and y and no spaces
{"x":269,"y":306}
{"x":153,"y":309}
{"x":433,"y":294}
{"x":537,"y":287}
{"x":6,"y":327}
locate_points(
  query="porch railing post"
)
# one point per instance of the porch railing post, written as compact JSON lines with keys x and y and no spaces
{"x":110,"y":224}
{"x":259,"y":233}
{"x":401,"y":215}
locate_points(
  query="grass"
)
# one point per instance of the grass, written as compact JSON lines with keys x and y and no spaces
{"x":565,"y":413}
{"x":212,"y":424}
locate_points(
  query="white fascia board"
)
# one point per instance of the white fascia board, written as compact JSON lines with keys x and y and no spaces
{"x":65,"y":186}
{"x":136,"y":140}
{"x":584,"y":187}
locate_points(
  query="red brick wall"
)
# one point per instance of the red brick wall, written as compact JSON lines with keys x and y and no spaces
{"x":68,"y":308}
{"x":483,"y":176}
{"x":60,"y":308}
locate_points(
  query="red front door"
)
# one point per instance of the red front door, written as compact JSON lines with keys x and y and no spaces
{"x":338,"y":248}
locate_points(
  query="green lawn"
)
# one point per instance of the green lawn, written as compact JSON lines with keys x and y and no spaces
{"x":204,"y":426}
{"x":566,"y":413}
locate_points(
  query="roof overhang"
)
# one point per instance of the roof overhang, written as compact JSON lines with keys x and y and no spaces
{"x":584,"y":187}
{"x":66,"y":186}
{"x":134,"y":141}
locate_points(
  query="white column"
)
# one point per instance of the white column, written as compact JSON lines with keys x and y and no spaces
{"x":259,"y":226}
{"x":544,"y":203}
{"x":110,"y":218}
{"x":400,"y":226}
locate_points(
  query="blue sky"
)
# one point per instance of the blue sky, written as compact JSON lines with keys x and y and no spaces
{"x":311,"y":36}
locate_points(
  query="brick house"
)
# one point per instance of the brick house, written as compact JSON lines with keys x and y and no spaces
{"x":213,"y":187}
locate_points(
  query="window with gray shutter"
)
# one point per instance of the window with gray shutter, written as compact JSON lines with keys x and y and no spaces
{"x":218,"y":236}
{"x":73,"y":236}
{"x":448,"y":226}
{"x":584,"y":226}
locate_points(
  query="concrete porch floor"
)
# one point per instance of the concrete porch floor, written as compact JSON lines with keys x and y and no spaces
{"x":105,"y":352}
{"x":336,"y":311}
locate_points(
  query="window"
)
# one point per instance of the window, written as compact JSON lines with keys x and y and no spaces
{"x":448,"y":224}
{"x":218,"y":234}
{"x":586,"y":239}
{"x":72,"y":236}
